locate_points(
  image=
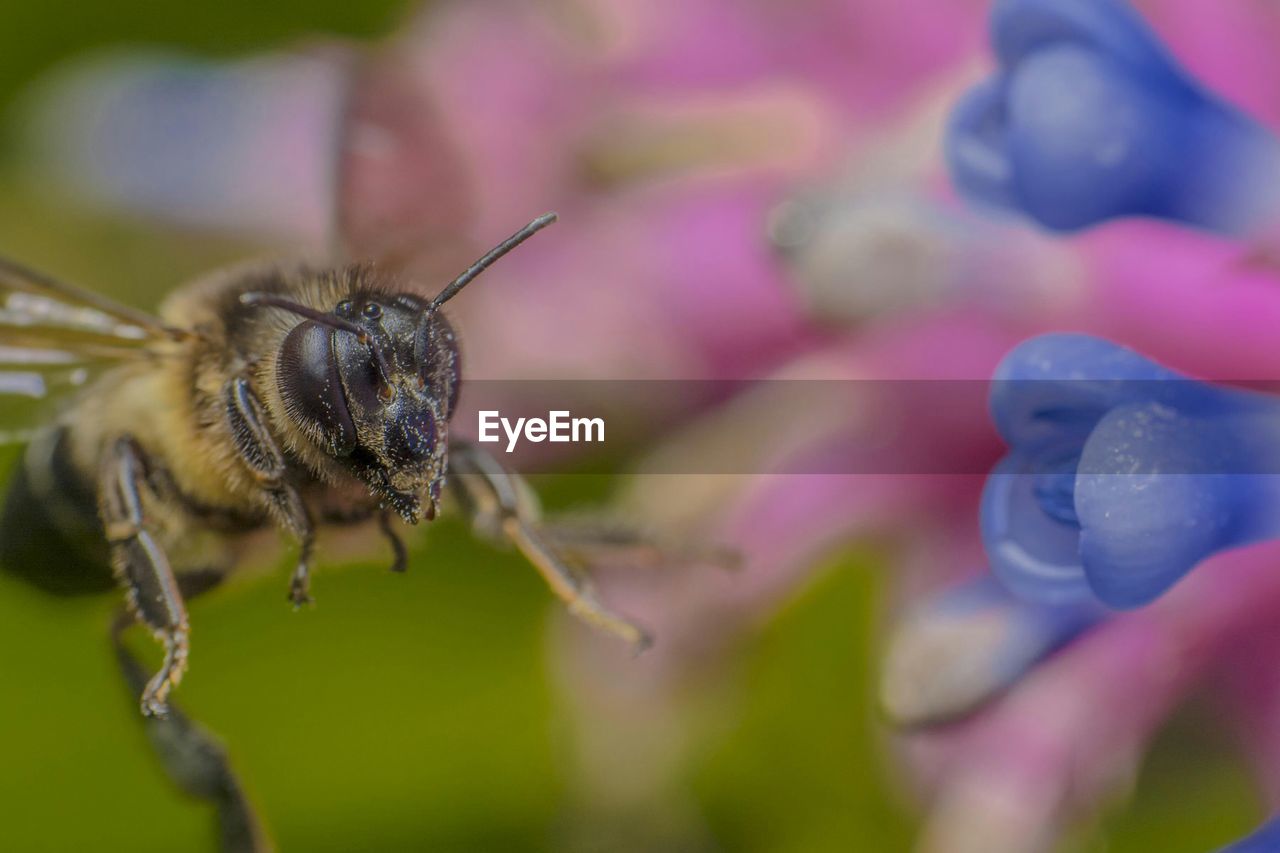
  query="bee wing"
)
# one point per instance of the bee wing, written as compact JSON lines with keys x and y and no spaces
{"x":38,"y":310}
{"x":29,"y":380}
{"x":54,"y":338}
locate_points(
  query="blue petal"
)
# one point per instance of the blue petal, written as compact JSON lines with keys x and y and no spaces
{"x":1089,"y":118}
{"x":1052,"y":390}
{"x":1159,"y":490}
{"x":1154,"y":499}
{"x":1020,"y":27}
{"x":1034,"y":554}
{"x":977,"y":146}
{"x":1089,"y":142}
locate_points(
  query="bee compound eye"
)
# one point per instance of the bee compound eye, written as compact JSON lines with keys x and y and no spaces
{"x":307,"y":373}
{"x":359,"y":377}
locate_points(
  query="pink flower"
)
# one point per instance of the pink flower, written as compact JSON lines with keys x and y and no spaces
{"x":676,"y":139}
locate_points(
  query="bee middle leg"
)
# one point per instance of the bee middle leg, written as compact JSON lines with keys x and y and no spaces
{"x":502,"y":506}
{"x":142,"y":568}
{"x":260,"y":452}
{"x":190,"y":754}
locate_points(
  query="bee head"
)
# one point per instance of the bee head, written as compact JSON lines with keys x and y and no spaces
{"x":374,"y":381}
{"x":374,"y":384}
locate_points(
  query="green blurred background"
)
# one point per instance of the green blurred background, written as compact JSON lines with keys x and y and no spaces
{"x":419,"y":712}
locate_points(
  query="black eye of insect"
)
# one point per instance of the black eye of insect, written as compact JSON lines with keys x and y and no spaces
{"x":372,"y":311}
{"x":311,"y":387}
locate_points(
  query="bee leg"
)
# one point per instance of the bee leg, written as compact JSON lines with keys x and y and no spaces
{"x":604,"y":539}
{"x":191,"y":756}
{"x":261,"y":454}
{"x":400,"y":560}
{"x":142,"y":568}
{"x":502,"y":506}
{"x":296,"y":518}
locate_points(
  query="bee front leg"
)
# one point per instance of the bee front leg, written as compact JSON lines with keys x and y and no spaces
{"x":503,"y":506}
{"x":602,"y":538}
{"x":261,"y":454}
{"x":297,"y":520}
{"x":142,"y":568}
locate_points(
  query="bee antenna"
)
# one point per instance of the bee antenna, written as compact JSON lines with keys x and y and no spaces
{"x":333,"y":321}
{"x":490,"y":256}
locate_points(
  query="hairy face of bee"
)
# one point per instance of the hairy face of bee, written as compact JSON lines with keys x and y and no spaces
{"x":377,"y":389}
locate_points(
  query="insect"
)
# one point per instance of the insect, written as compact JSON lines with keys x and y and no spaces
{"x":267,"y":395}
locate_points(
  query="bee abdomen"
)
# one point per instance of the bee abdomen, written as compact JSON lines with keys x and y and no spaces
{"x":50,"y":534}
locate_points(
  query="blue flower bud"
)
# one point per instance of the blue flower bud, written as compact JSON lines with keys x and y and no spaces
{"x":1088,"y":118}
{"x":1122,"y":475}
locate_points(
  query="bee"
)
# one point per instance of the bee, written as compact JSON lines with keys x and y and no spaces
{"x":276,"y":395}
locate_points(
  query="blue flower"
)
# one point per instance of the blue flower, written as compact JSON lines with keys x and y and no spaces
{"x":1122,"y":475}
{"x":1089,"y":118}
{"x":961,"y":647}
